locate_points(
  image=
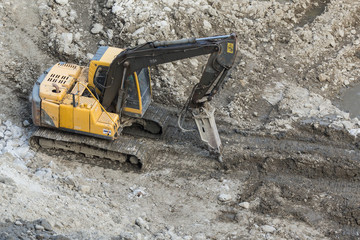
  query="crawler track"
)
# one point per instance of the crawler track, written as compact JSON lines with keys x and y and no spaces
{"x":123,"y":149}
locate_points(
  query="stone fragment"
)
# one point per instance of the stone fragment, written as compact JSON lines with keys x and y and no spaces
{"x":39,"y":227}
{"x":138,"y":31}
{"x":18,"y":223}
{"x":26,"y":123}
{"x":245,"y":205}
{"x":97,"y":28}
{"x":224,"y":197}
{"x":46,"y":224}
{"x":66,"y":39}
{"x":207,"y":25}
{"x":268,"y":228}
{"x":323,"y":77}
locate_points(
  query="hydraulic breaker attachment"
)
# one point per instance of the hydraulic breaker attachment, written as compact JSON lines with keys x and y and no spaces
{"x":205,"y":122}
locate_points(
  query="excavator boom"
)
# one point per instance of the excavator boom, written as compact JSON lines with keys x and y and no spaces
{"x":221,"y":48}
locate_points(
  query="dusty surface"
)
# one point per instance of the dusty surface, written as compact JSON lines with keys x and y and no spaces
{"x":291,"y":158}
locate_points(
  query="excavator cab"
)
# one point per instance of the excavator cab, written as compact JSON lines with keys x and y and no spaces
{"x":138,"y":90}
{"x":137,"y":85}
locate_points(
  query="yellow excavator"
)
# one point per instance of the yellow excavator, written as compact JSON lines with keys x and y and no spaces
{"x":94,"y":104}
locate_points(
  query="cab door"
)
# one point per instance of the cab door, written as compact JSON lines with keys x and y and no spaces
{"x":138,"y":93}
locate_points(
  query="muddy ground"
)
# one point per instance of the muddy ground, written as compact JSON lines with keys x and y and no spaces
{"x":288,"y":116}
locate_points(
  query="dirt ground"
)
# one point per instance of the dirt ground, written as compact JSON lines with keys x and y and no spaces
{"x":288,"y":117}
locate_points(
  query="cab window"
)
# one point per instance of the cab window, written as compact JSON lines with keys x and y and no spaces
{"x":132,"y":100}
{"x":100,"y":76}
{"x":144,"y":83}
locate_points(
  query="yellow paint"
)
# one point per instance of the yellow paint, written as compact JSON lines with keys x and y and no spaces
{"x":105,"y":60}
{"x":61,"y":75}
{"x":230,"y":48}
{"x":110,"y":54}
{"x":52,"y":110}
{"x":102,"y":123}
{"x":66,"y":116}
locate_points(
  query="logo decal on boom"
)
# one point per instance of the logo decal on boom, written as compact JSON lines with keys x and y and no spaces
{"x":230,"y":48}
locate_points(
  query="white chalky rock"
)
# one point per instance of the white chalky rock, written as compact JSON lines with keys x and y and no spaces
{"x":224,"y":197}
{"x":268,"y":228}
{"x":245,"y":205}
{"x":66,"y":38}
{"x":110,"y":33}
{"x":207,"y":25}
{"x":97,"y":27}
{"x":138,"y":31}
{"x":16,"y":132}
{"x":8,"y":124}
{"x":26,"y":123}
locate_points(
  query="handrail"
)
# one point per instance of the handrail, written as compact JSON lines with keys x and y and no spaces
{"x":98,"y":102}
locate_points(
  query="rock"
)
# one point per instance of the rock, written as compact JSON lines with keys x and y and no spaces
{"x":26,"y":123}
{"x":322,"y":77}
{"x":245,"y":205}
{"x":142,"y":223}
{"x":268,"y":228}
{"x":141,"y":41}
{"x":110,"y":33}
{"x":194,"y":62}
{"x":138,"y":31}
{"x":97,"y":28}
{"x":8,"y":124}
{"x":16,"y":132}
{"x":39,"y":227}
{"x":18,"y":223}
{"x":207,"y":25}
{"x":8,"y":133}
{"x":77,"y":36}
{"x":224,"y":197}
{"x":46,"y":224}
{"x":89,"y":56}
{"x":61,"y":2}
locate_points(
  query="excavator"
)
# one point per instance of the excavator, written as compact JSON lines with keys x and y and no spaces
{"x":93,"y":105}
